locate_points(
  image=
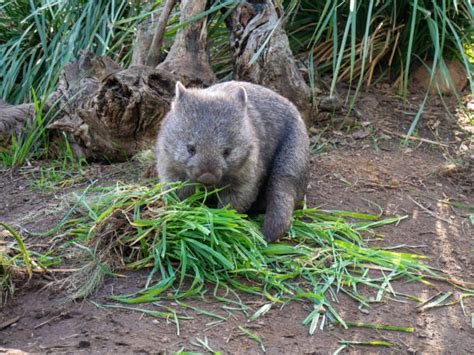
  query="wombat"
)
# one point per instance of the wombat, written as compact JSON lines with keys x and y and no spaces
{"x":243,"y":137}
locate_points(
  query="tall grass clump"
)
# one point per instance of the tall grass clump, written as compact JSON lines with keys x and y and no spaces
{"x":354,"y":41}
{"x":10,"y":261}
{"x":191,"y":249}
{"x":362,"y":41}
{"x":38,"y":37}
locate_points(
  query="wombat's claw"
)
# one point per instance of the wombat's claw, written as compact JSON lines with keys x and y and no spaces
{"x":269,"y":236}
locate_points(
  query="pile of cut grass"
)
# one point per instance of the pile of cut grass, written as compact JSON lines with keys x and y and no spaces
{"x":189,"y":246}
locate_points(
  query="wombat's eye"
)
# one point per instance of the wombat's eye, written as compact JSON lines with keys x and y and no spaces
{"x":191,"y":149}
{"x":226,"y":152}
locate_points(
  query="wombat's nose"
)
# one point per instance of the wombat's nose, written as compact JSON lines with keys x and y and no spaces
{"x":208,"y":179}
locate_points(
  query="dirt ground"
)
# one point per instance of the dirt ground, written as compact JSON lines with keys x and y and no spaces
{"x":362,"y":168}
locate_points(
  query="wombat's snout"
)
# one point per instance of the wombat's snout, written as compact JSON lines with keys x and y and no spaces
{"x":208,"y":179}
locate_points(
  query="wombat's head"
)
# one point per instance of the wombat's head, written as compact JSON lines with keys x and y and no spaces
{"x":207,"y":135}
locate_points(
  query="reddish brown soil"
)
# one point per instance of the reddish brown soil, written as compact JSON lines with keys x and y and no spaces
{"x":361,"y":175}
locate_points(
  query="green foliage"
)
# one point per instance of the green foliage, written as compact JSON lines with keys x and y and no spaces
{"x":190,"y":246}
{"x":8,"y":261}
{"x":59,"y":174}
{"x":18,"y":261}
{"x":64,"y":171}
{"x":350,"y":39}
{"x":356,"y":40}
{"x":38,"y":37}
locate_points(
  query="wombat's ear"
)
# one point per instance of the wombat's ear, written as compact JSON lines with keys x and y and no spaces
{"x":242,"y":96}
{"x":180,"y":90}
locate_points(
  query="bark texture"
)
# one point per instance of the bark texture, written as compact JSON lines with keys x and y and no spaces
{"x":150,"y":34}
{"x":189,"y":57}
{"x":112,"y":113}
{"x":143,"y":39}
{"x":251,"y":23}
{"x":13,"y":119}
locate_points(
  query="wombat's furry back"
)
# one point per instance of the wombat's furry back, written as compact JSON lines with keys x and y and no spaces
{"x":242,"y":136}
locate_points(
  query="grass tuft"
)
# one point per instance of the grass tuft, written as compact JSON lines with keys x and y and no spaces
{"x":18,"y":261}
{"x":15,"y":263}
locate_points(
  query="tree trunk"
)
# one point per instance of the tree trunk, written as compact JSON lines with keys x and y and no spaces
{"x":149,"y":40}
{"x":155,"y":47}
{"x":251,"y":23}
{"x":143,"y":40}
{"x":188,"y":57}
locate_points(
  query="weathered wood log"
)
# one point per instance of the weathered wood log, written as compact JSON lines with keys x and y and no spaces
{"x":189,"y":57}
{"x":76,"y":83}
{"x":117,"y":112}
{"x":108,"y":113}
{"x":251,"y":23}
{"x":13,"y":119}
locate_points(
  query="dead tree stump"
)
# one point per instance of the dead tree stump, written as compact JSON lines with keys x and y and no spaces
{"x":189,"y":57}
{"x":251,"y":23}
{"x":118,"y":113}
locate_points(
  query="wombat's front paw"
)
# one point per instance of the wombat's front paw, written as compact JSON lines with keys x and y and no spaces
{"x":276,"y":223}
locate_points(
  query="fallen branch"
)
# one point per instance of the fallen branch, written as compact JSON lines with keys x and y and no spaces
{"x":424,"y":140}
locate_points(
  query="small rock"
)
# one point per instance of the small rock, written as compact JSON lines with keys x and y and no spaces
{"x":422,"y":335}
{"x":360,"y":134}
{"x":369,"y":102}
{"x":5,"y":234}
{"x":330,"y":104}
